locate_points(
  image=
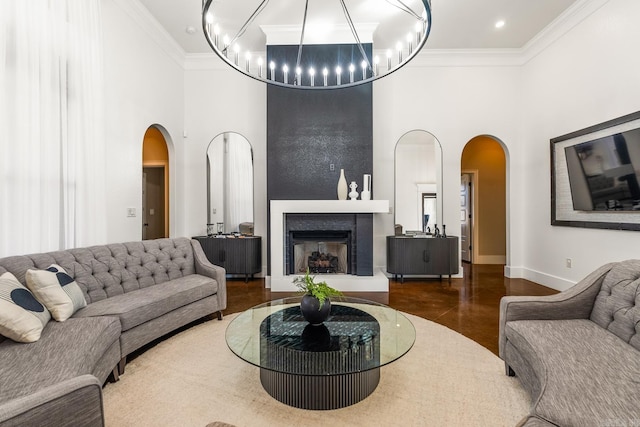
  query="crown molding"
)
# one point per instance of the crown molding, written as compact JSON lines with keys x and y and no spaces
{"x":148,"y":23}
{"x":574,"y":15}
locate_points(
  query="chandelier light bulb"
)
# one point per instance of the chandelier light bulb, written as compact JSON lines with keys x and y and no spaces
{"x":272,"y":67}
{"x":338,"y":75}
{"x":410,"y":42}
{"x":285,"y":71}
{"x":298,"y":79}
{"x":209,"y":18}
{"x":352,"y":68}
{"x":216,"y":30}
{"x":363,"y":65}
{"x":312,"y":74}
{"x":399,"y":49}
{"x":236,"y":50}
{"x":247,"y":58}
{"x":376,"y":65}
{"x":260,"y":66}
{"x":389,"y":55}
{"x":325,"y":74}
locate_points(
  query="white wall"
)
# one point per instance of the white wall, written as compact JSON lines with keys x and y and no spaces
{"x":143,"y":86}
{"x":219,"y":99}
{"x":587,"y":77}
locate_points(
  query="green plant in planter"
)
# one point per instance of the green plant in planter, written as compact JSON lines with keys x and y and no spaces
{"x":307,"y":285}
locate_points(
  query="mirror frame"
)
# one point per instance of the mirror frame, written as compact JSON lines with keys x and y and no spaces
{"x":439,"y":176}
{"x":209,"y":201}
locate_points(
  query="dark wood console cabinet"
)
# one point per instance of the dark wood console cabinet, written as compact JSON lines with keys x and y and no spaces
{"x":239,"y":255}
{"x":430,"y":256}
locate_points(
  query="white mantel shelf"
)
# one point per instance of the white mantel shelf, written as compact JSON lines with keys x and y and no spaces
{"x":281,"y":282}
{"x":279,"y":207}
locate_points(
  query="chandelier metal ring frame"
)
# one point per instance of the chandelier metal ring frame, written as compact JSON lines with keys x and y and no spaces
{"x":227,"y":49}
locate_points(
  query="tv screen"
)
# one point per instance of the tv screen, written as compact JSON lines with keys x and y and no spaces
{"x":604,"y":173}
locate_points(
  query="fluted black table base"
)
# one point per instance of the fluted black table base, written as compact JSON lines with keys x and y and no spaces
{"x":320,"y":391}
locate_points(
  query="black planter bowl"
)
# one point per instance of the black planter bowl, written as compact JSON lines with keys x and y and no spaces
{"x":311,"y":310}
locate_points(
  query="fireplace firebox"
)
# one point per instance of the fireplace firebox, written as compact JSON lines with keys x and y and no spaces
{"x":321,"y":238}
{"x":320,"y":251}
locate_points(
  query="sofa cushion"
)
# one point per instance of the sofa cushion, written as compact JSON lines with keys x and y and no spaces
{"x":617,"y":306}
{"x":55,"y":289}
{"x":587,"y":374}
{"x":22,"y":316}
{"x":137,"y":307}
{"x":65,"y":350}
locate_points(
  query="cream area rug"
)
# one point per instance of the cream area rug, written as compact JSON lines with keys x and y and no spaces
{"x":193,"y":379}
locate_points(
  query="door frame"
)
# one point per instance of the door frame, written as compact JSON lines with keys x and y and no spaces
{"x":475,"y":219}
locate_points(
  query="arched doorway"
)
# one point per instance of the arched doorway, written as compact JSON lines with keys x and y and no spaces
{"x":483,"y":201}
{"x":155,"y":185}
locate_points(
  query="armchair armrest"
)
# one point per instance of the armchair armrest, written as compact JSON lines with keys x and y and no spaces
{"x":74,"y":402}
{"x":205,"y":268}
{"x":574,"y":303}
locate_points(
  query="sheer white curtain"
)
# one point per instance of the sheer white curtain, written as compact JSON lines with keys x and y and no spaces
{"x":238,"y":182}
{"x":51,"y":134}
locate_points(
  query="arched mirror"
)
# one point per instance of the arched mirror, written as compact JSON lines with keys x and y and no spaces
{"x":230,"y":184}
{"x":418,"y":182}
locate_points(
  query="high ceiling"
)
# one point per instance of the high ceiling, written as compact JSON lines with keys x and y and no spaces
{"x":456,"y":24}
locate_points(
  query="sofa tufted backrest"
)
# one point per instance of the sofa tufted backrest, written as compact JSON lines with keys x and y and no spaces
{"x":617,"y":306}
{"x":114,"y":269}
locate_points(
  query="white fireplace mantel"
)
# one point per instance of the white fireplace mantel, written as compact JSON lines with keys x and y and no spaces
{"x":279,"y":281}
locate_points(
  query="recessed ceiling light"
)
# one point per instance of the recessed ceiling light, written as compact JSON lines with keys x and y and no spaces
{"x":190,"y":29}
{"x":500,"y":24}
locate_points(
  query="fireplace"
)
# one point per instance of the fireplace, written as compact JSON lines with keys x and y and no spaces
{"x":320,"y":251}
{"x":327,"y":244}
{"x":355,"y":217}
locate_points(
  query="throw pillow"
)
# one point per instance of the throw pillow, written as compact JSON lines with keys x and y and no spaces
{"x":55,"y":289}
{"x":22,"y":317}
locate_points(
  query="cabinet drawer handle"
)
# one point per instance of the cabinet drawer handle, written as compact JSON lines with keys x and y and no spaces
{"x":425,"y":255}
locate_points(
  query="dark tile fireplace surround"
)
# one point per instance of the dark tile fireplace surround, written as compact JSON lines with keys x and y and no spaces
{"x":311,"y":135}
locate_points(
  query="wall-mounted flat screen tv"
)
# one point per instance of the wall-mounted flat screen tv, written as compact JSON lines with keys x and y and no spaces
{"x":604,"y":173}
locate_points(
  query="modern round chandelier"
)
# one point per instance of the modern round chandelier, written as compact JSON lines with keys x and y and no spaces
{"x":316,"y":44}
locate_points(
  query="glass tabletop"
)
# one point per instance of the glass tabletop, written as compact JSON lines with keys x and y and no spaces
{"x":358,"y":335}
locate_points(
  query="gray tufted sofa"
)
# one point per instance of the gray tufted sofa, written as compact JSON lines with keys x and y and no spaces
{"x":577,"y":353}
{"x":135,"y":292}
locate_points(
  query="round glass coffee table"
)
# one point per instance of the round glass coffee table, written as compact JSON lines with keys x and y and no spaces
{"x":329,"y":366}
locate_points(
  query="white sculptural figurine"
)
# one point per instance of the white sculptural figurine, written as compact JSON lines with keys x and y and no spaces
{"x":353,"y":194}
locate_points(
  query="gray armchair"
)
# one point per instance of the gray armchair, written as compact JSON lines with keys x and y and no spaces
{"x":577,"y":353}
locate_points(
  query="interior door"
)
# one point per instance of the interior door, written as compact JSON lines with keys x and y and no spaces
{"x":466,"y":217}
{"x":154,"y":203}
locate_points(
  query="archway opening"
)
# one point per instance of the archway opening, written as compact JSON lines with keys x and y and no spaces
{"x":155,"y":185}
{"x":483,"y":201}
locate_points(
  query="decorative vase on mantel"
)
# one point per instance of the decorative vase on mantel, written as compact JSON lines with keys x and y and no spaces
{"x":342,"y":186}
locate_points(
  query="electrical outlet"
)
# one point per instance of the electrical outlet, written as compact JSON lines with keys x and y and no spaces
{"x":568,"y":262}
{"x":131,"y":212}
{"x":332,"y":167}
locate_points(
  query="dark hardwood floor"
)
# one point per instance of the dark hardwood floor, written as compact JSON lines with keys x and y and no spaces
{"x":470,"y":306}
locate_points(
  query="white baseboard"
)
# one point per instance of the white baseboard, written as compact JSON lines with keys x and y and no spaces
{"x":548,"y":280}
{"x":490,"y":259}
